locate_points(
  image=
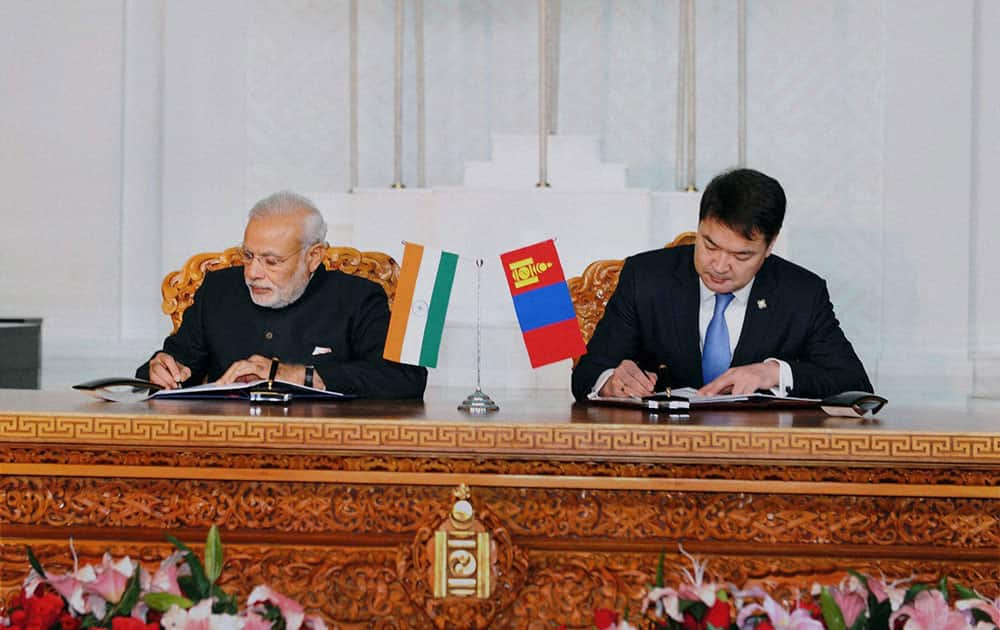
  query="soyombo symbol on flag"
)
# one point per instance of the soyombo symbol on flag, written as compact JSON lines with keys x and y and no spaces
{"x":420,"y":305}
{"x":542,"y":302}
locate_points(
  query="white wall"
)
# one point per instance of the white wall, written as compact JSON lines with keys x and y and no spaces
{"x":137,"y":132}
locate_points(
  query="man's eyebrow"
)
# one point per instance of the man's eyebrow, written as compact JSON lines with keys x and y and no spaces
{"x":742,"y":252}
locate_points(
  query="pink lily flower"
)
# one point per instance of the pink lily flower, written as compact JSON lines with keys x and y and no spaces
{"x":665,"y":601}
{"x":256,"y":622}
{"x":781,"y":619}
{"x":200,"y":617}
{"x":851,"y":604}
{"x":290,"y":609}
{"x":697,"y":589}
{"x":165,"y":578}
{"x":314,"y":622}
{"x":929,"y":611}
{"x":111,"y":578}
{"x":893,"y":591}
{"x":990,"y":608}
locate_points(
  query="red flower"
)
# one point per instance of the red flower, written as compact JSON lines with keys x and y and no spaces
{"x":69,"y":622}
{"x":41,"y":612}
{"x":691,"y":623}
{"x":718,"y":615}
{"x":765,"y":625}
{"x":604,"y":618}
{"x":131,"y":623}
{"x":812,"y":607}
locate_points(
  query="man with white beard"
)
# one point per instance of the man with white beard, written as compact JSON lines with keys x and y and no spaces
{"x":326,"y":328}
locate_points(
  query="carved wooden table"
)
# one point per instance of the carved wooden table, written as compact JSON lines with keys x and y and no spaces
{"x":333,"y":503}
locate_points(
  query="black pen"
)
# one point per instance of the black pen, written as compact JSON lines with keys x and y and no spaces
{"x":272,"y":373}
{"x":663,"y":378}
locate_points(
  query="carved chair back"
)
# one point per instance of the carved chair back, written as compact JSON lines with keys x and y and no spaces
{"x":592,"y":290}
{"x":179,"y":286}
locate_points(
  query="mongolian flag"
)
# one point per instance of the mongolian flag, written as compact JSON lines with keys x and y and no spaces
{"x":420,"y":305}
{"x":542,"y":302}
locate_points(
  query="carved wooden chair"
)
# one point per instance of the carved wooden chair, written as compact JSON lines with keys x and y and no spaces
{"x":179,"y":286}
{"x":592,"y":290}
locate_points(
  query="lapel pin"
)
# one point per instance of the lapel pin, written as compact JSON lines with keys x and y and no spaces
{"x":761,"y":304}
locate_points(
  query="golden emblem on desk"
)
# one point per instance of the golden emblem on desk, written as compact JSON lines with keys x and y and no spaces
{"x":462,"y":552}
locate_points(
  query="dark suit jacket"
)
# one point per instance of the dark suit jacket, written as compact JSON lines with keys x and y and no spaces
{"x":652,"y":318}
{"x":347,"y":314}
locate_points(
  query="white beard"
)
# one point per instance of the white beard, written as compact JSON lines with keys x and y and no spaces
{"x":280,"y":297}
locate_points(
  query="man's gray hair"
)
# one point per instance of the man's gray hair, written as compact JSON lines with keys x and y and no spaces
{"x":286,"y":203}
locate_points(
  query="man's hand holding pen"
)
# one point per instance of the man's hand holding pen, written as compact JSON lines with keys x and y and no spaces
{"x":167,"y":372}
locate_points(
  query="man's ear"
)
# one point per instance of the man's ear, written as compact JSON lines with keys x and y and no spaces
{"x":314,"y":257}
{"x":770,"y":246}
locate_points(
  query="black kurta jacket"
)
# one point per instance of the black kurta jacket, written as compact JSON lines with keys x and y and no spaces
{"x":339,"y":325}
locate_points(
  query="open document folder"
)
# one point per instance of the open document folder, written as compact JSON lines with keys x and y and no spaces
{"x":688,"y":398}
{"x":853,"y":404}
{"x":135,"y":389}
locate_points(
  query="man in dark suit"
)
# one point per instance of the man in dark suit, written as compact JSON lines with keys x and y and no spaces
{"x":723,"y":315}
{"x":326,"y":328}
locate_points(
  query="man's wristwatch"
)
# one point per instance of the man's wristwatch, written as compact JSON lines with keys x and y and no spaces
{"x":308,"y":381}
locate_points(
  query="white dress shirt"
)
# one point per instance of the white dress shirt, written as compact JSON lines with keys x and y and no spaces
{"x":735,"y":314}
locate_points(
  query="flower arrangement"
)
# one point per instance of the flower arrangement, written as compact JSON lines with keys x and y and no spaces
{"x":181,"y":594}
{"x":860,"y":602}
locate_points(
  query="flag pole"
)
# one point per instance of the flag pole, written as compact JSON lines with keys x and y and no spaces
{"x":478,"y":402}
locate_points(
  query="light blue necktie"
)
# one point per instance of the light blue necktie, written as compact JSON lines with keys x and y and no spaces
{"x":715,"y":356}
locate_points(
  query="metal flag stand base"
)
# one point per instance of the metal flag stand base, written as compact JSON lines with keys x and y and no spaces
{"x":478,"y":402}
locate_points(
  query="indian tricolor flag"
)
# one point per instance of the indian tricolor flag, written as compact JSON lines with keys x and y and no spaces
{"x":420,"y":305}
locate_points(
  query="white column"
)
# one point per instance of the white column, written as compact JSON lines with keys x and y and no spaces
{"x":926,"y":225}
{"x":142,"y":169}
{"x":204,"y":127}
{"x":984,"y":297}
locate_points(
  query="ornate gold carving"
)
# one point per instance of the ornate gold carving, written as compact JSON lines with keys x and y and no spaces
{"x":902,"y":527}
{"x":591,"y":291}
{"x":179,"y":287}
{"x":462,"y":561}
{"x":458,"y":554}
{"x":571,"y":440}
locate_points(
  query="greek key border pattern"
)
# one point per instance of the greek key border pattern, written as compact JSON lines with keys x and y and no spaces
{"x":497,"y":439}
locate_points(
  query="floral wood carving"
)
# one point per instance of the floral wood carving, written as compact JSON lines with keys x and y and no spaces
{"x":179,"y":287}
{"x":507,"y":573}
{"x":637,"y":519}
{"x":592,"y":290}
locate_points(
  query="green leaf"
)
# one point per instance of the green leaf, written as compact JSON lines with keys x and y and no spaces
{"x":659,"y":570}
{"x":879,"y":613}
{"x":273,"y":614}
{"x":979,"y":615}
{"x":128,"y":601}
{"x":965,"y":592}
{"x":177,"y":543}
{"x":224,"y":602}
{"x":163,"y":601}
{"x":197,"y":587}
{"x":832,"y":616}
{"x":35,"y":564}
{"x":943,"y":587}
{"x":861,"y":623}
{"x":213,"y":555}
